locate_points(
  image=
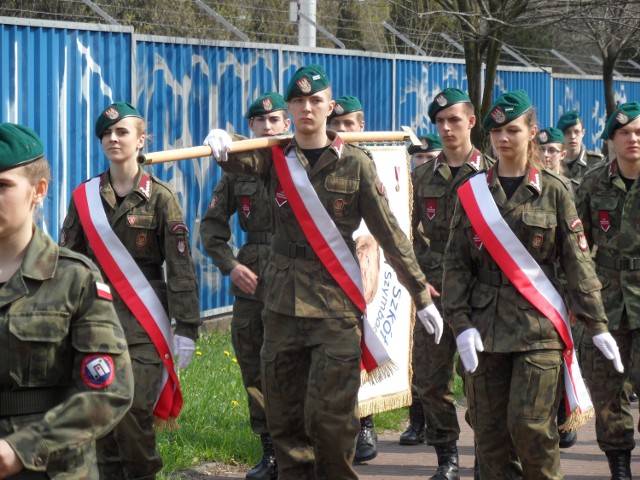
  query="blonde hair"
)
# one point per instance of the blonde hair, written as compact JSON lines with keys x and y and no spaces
{"x":534,"y":156}
{"x":37,"y":170}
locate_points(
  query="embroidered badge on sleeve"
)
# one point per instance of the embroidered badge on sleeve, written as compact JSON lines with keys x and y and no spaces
{"x":97,"y":370}
{"x":103,"y":291}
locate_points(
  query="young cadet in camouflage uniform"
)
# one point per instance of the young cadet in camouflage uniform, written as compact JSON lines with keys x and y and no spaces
{"x":435,"y":188}
{"x":553,"y":151}
{"x":430,"y":148}
{"x":247,"y":196}
{"x":65,"y":373}
{"x":145,"y":215}
{"x":512,"y":353}
{"x":608,"y":202}
{"x":578,"y":159}
{"x":311,"y":352}
{"x":348,"y":116}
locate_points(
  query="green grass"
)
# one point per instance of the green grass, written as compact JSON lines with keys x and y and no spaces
{"x":215,"y":419}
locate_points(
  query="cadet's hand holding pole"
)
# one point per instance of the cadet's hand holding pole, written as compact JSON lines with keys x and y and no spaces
{"x":220,"y":142}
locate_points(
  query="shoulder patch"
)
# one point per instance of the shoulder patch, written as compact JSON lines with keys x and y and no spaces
{"x":178,"y":228}
{"x":97,"y":370}
{"x":103,"y":291}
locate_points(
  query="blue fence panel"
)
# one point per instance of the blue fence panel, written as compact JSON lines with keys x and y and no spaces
{"x":535,"y":82}
{"x":183,"y":90}
{"x":56,"y":80}
{"x":417,"y":82}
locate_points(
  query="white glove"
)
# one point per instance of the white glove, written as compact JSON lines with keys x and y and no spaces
{"x":432,"y":321}
{"x":183,"y":348}
{"x":609,"y":348}
{"x":469,"y":343}
{"x":220,"y":142}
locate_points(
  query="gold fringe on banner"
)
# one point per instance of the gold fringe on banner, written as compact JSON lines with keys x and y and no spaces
{"x":384,"y":403}
{"x":163,"y":424}
{"x":576,"y":420}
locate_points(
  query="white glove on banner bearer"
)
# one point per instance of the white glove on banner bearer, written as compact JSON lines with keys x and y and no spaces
{"x":609,"y":348}
{"x":469,"y":343}
{"x":183,"y":348}
{"x":432,"y":321}
{"x":220,"y":142}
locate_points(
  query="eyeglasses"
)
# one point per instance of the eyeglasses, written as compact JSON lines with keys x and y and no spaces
{"x":550,"y":150}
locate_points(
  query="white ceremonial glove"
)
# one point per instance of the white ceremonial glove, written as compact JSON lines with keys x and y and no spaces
{"x":183,"y":348}
{"x":469,"y":343}
{"x":220,"y":142}
{"x":609,"y":348}
{"x":432,"y":321}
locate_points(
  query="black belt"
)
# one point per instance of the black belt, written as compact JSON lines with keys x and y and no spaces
{"x":437,"y":247}
{"x":263,"y":238}
{"x":35,"y":400}
{"x":293,"y":250}
{"x":497,"y":278}
{"x":618,"y":263}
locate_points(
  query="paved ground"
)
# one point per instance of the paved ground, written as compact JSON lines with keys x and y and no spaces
{"x":583,"y":461}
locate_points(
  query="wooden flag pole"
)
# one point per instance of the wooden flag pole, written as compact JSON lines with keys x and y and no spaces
{"x":267,"y":142}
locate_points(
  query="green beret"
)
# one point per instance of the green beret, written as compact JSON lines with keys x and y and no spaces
{"x":19,"y":145}
{"x":550,"y":135}
{"x":506,"y":109}
{"x":113,"y":114}
{"x":568,"y":119}
{"x":446,"y":98}
{"x":307,"y":81}
{"x":625,"y":113}
{"x":429,"y":143}
{"x":267,"y":103}
{"x":345,"y":105}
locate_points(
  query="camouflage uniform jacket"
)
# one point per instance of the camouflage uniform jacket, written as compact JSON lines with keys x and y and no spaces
{"x":576,"y":169}
{"x":434,"y":199}
{"x":543,"y":217}
{"x":611,"y":217}
{"x":150,"y":225}
{"x":52,"y":321}
{"x":348,"y":186}
{"x":247,"y":196}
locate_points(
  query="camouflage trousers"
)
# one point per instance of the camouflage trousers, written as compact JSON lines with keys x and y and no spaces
{"x":513,"y":402}
{"x":610,"y":390}
{"x":433,"y":380}
{"x":247,"y":333}
{"x":129,"y":452}
{"x":311,"y":378}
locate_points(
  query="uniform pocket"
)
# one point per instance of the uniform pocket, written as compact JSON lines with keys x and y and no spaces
{"x":540,"y":383}
{"x":39,"y":348}
{"x":542,"y":230}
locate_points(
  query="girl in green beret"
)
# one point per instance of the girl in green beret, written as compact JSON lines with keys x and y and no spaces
{"x":511,"y":227}
{"x":65,"y":373}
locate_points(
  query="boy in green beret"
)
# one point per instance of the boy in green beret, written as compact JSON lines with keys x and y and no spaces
{"x":608,"y":203}
{"x":347,"y":115}
{"x":551,"y":142}
{"x":247,"y":197}
{"x":430,"y":147}
{"x":435,"y":187}
{"x":578,"y":159}
{"x":320,"y":189}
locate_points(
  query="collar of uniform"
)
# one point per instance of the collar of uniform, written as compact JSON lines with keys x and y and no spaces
{"x":439,"y":160}
{"x":581,"y":155}
{"x":143,"y":180}
{"x":475,"y":159}
{"x":337,"y":144}
{"x":534,"y":179}
{"x":613,"y":168}
{"x":33,"y":264}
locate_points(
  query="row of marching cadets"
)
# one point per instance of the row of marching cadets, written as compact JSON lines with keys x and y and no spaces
{"x":507,"y":257}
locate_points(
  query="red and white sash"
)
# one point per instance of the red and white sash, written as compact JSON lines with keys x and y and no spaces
{"x":134,"y":289}
{"x":332,"y":250}
{"x":526,"y":275}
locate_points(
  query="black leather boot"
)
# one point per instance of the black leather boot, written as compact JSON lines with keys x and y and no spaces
{"x":619,"y":464}
{"x":567,"y":439}
{"x":447,"y":462}
{"x":367,"y":444}
{"x":266,"y":468}
{"x":415,"y":432}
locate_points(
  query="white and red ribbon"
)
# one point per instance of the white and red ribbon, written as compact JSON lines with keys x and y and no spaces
{"x":329,"y":245}
{"x":526,"y":275}
{"x":134,"y":289}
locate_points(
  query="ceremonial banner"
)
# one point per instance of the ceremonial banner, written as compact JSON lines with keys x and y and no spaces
{"x":390,"y":312}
